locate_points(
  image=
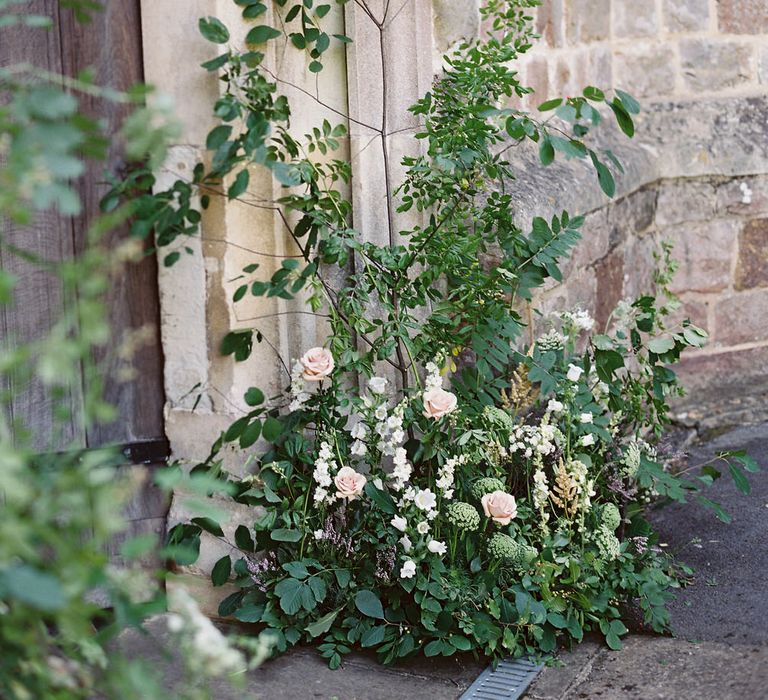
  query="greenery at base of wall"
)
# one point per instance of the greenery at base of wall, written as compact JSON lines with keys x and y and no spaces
{"x":451,"y":471}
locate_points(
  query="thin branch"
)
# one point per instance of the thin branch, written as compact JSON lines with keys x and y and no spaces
{"x":319,"y":101}
{"x":368,"y":12}
{"x":399,"y":10}
{"x":249,"y":250}
{"x":282,"y":313}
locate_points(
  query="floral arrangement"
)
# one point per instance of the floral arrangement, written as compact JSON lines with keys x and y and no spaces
{"x":444,"y":474}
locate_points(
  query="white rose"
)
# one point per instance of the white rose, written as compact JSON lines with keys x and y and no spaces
{"x":425,"y":499}
{"x":399,"y":523}
{"x":574,"y":373}
{"x":423,"y":527}
{"x":408,"y":569}
{"x":555,"y":406}
{"x":378,"y":385}
{"x":406,"y":542}
{"x":587,"y":440}
{"x":437,"y":547}
{"x":585,"y":418}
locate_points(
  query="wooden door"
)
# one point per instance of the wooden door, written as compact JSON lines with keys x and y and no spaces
{"x":111,"y":45}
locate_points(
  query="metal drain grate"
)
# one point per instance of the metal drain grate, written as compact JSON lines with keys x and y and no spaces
{"x":508,"y":682}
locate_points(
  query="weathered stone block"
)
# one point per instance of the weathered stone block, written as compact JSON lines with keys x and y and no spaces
{"x":595,"y":233}
{"x":582,"y":290}
{"x":549,"y":22}
{"x":588,"y":20}
{"x":639,"y":265}
{"x":695,"y":307}
{"x":646,"y":71}
{"x":752,"y":261}
{"x":762,"y":65}
{"x":609,"y":273}
{"x":686,"y":15}
{"x":537,"y":77}
{"x":600,"y":68}
{"x":746,"y":196}
{"x":705,"y":253}
{"x":709,"y":64}
{"x":631,"y":216}
{"x":742,"y":318}
{"x":638,"y":18}
{"x":742,"y":16}
{"x":685,"y":200}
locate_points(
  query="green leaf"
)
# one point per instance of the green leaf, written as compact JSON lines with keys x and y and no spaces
{"x":209,"y":525}
{"x":171,"y":259}
{"x":661,"y":345}
{"x":254,"y":396}
{"x":29,"y":585}
{"x":240,"y":184}
{"x":369,"y":604}
{"x":593,"y":93}
{"x":315,"y":66}
{"x":261,"y":34}
{"x":716,"y":508}
{"x":250,"y":613}
{"x":630,"y":103}
{"x":297,"y":569}
{"x":213,"y":30}
{"x":286,"y":535}
{"x":546,"y":151}
{"x":622,"y":118}
{"x":289,"y":592}
{"x":272,"y":430}
{"x":550,"y":104}
{"x":373,"y":636}
{"x":739,"y":479}
{"x":322,"y":625}
{"x":221,"y":571}
{"x":381,"y":498}
{"x":243,"y":539}
{"x":604,"y":176}
{"x":250,"y":434}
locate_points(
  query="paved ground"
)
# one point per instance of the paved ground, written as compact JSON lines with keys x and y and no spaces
{"x":720,"y":650}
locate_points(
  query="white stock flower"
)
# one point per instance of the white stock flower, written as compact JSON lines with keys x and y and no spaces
{"x":425,"y":499}
{"x":359,"y":431}
{"x":399,"y":523}
{"x":406,"y":542}
{"x":555,"y":406}
{"x":378,"y":385}
{"x":318,"y":534}
{"x":574,"y":373}
{"x":408,"y":569}
{"x":380,"y":413}
{"x":437,"y":547}
{"x":587,"y":440}
{"x":585,"y":418}
{"x":358,"y":448}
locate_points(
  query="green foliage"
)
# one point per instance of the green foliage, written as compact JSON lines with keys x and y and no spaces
{"x":366,"y":498}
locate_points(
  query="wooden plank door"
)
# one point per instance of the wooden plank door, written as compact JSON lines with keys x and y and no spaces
{"x":110,"y":45}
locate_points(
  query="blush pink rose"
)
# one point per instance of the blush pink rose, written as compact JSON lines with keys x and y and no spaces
{"x":349,"y":484}
{"x":438,"y":402}
{"x":499,"y":506}
{"x":317,"y":363}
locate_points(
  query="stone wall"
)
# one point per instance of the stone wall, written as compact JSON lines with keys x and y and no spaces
{"x":696,"y":173}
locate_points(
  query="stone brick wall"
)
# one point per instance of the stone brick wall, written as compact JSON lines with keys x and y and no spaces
{"x":697,"y":177}
{"x":654,"y":49}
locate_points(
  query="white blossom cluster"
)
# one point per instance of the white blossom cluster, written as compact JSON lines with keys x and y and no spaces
{"x":401,"y":473}
{"x":433,"y":380}
{"x":578,"y":318}
{"x":551,"y":341}
{"x":541,"y":495}
{"x":325,"y":465}
{"x":585,"y":487}
{"x":299,"y":393}
{"x":201,"y":641}
{"x":533,"y":440}
{"x":446,"y":475}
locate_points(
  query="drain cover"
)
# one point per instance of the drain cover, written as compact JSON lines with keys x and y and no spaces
{"x":508,"y":682}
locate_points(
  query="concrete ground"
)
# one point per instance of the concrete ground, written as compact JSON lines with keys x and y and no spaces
{"x":719,"y":651}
